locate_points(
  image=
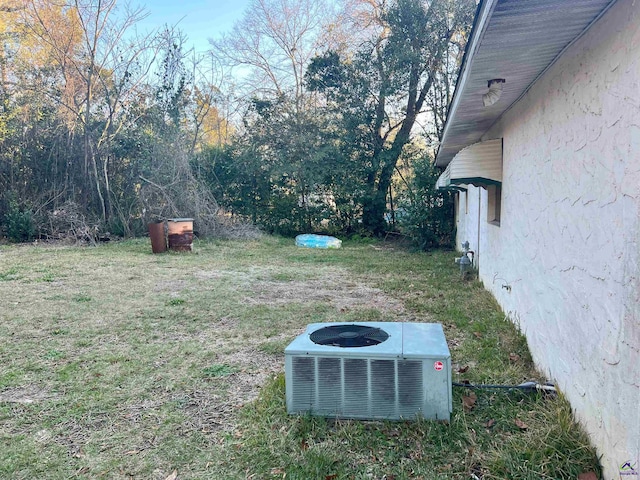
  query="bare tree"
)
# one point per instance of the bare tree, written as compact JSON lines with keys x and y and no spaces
{"x":100,"y":63}
{"x":209,"y":107}
{"x":274,"y":42}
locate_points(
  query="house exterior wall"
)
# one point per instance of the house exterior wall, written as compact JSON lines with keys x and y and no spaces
{"x":568,"y":244}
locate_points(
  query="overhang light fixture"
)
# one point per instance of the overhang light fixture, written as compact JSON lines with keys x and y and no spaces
{"x":495,"y":90}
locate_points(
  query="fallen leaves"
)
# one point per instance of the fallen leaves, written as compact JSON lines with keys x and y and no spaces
{"x":173,"y":476}
{"x":514,"y":357}
{"x":463,"y":369}
{"x":588,"y":476}
{"x":520,"y":424}
{"x":469,"y":401}
{"x":490,"y":423}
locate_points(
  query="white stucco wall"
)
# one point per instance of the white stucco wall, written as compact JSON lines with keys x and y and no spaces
{"x":569,"y":240}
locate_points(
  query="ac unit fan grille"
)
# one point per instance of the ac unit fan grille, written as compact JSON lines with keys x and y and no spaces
{"x":349,"y":336}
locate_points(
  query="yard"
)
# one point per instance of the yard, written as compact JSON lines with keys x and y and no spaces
{"x":117,"y":363}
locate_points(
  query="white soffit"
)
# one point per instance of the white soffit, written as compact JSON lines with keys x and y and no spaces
{"x":517,"y":40}
{"x":478,"y":164}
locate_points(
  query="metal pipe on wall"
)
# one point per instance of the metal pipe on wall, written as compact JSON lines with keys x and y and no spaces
{"x":478,"y":244}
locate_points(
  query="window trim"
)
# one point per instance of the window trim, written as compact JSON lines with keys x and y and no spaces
{"x":494,"y":204}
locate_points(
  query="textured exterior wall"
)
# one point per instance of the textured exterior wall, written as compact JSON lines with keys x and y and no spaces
{"x":569,"y":240}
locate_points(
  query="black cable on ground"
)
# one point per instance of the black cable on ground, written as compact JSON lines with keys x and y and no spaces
{"x":527,"y":386}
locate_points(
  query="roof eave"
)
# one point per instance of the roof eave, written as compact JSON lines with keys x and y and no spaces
{"x":483,"y":13}
{"x":467,"y":126}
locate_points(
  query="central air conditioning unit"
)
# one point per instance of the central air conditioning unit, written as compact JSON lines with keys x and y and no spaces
{"x":370,"y":370}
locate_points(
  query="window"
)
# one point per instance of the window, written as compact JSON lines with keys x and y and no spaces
{"x":494,"y":204}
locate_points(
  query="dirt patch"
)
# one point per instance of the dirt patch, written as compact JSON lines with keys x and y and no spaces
{"x":330,"y":285}
{"x":172,"y":286}
{"x":334,"y":286}
{"x":337,"y":290}
{"x":26,"y":394}
{"x":252,"y":274}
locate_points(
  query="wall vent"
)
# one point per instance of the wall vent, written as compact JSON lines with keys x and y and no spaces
{"x":370,"y":370}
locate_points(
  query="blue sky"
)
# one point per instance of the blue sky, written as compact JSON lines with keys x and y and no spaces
{"x":198,"y":19}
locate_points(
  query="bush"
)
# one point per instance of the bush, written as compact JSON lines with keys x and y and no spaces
{"x":428,"y":216}
{"x":18,"y":221}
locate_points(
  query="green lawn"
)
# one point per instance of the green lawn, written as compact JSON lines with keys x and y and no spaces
{"x":117,"y":363}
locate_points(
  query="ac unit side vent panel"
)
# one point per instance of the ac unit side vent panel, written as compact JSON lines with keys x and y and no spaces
{"x":357,"y":388}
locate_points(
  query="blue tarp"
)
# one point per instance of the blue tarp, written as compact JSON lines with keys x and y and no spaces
{"x":317,"y":241}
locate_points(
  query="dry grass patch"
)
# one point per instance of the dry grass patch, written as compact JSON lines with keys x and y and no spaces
{"x":26,"y":394}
